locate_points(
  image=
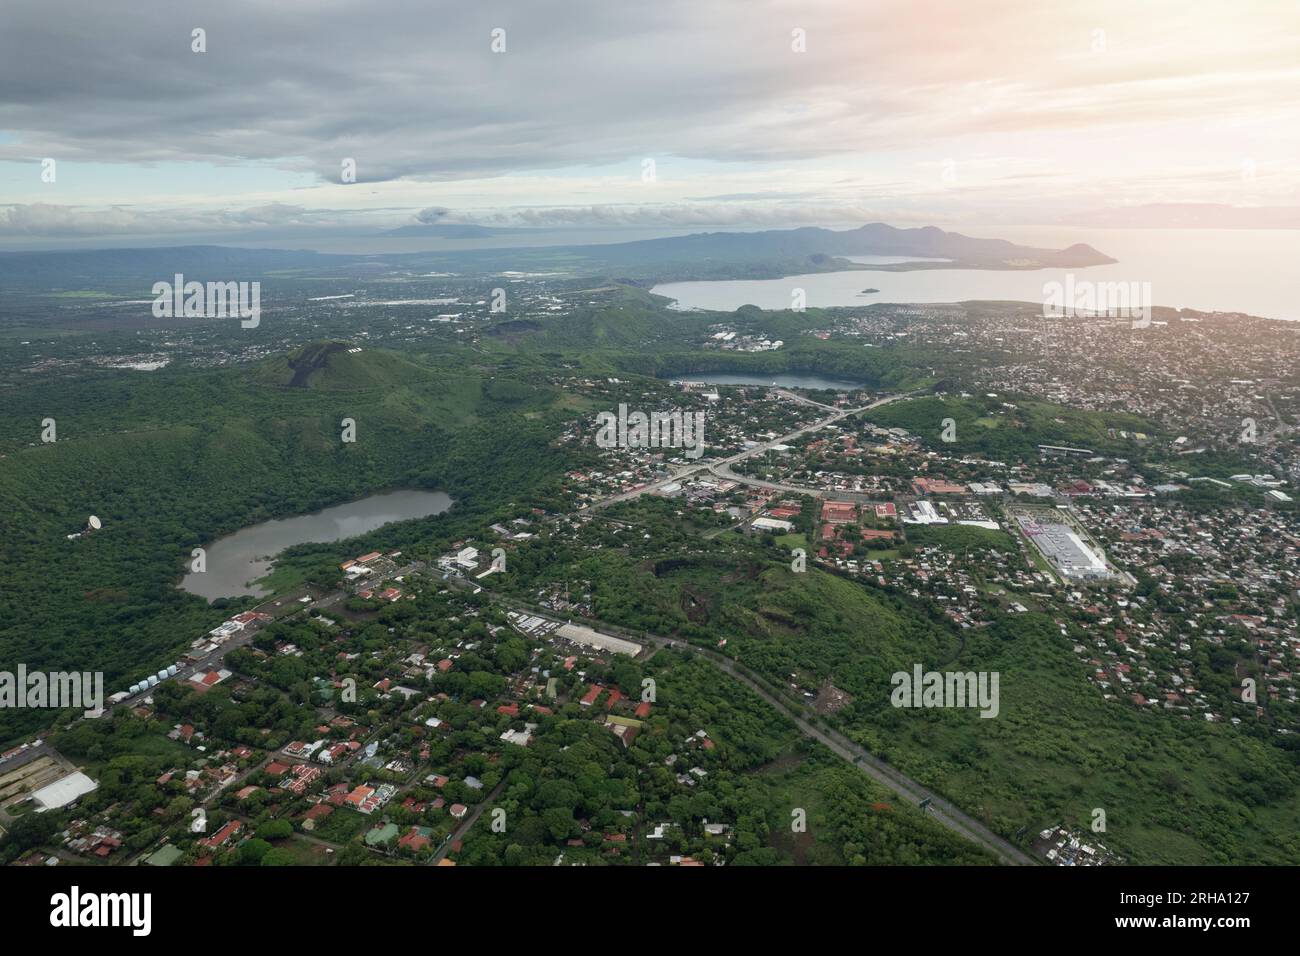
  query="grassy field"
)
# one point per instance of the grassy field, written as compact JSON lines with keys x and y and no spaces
{"x":959,"y":537}
{"x":305,"y":853}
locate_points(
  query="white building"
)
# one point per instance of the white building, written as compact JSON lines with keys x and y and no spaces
{"x":64,"y":791}
{"x":586,"y":636}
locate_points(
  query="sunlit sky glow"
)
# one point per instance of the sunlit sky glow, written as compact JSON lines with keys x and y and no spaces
{"x":910,"y":112}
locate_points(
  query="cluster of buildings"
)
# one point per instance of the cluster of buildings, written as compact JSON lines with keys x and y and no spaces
{"x":1062,"y":846}
{"x":372,"y":565}
{"x":1062,"y":545}
{"x":367,"y":799}
{"x":83,"y":838}
{"x":1198,"y":374}
{"x":737,"y":418}
{"x":1221,"y":585}
{"x":1081,"y":559}
{"x":244,"y":623}
{"x":728,"y":339}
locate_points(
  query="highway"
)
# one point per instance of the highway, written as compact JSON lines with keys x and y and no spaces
{"x":883,"y":773}
{"x":759,"y":449}
{"x":723,"y":471}
{"x":939,"y":809}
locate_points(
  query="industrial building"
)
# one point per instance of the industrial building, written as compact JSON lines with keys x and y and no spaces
{"x":1064,"y":549}
{"x":580,"y":634}
{"x":923,"y":512}
{"x":62,"y":792}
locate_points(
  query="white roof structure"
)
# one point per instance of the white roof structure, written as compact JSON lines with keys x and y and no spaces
{"x":63,"y":791}
{"x":585,"y":635}
{"x":924,"y":512}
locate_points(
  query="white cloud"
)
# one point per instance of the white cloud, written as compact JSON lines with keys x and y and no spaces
{"x":1010,"y":90}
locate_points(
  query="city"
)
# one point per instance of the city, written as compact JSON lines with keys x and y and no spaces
{"x":831,"y":446}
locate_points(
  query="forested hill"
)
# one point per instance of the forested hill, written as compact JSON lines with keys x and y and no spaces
{"x":772,"y":252}
{"x":338,"y":366}
{"x":873,"y":239}
{"x":171,"y":460}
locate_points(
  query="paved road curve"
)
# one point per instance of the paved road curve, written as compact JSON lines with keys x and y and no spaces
{"x":939,"y":809}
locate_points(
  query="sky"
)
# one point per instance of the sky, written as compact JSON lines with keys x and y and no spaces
{"x":600,"y":116}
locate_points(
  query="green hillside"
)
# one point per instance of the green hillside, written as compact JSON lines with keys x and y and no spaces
{"x":338,"y":366}
{"x":1174,"y":790}
{"x":170,"y":462}
{"x":1010,"y":426}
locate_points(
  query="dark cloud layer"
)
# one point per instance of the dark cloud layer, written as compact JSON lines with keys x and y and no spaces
{"x":405,"y":88}
{"x":411,"y":88}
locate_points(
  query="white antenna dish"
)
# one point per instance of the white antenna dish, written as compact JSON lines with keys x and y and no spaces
{"x":95,"y":522}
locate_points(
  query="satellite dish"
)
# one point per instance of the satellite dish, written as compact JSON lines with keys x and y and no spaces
{"x":94,"y":522}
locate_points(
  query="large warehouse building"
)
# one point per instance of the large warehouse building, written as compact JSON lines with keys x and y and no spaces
{"x":1067,"y":552}
{"x":62,"y":792}
{"x":586,"y":636}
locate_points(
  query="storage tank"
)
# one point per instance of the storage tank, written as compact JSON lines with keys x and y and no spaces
{"x":171,"y":671}
{"x":133,"y":689}
{"x":162,"y":675}
{"x":152,"y":682}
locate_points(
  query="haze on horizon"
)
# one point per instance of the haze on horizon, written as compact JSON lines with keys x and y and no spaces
{"x":749,"y":115}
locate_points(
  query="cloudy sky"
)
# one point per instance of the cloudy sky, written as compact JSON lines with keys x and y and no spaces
{"x":608,"y":115}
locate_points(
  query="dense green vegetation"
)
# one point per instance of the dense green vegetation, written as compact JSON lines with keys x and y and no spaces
{"x":1010,"y":427}
{"x":791,"y":800}
{"x":962,"y":538}
{"x":171,"y":461}
{"x":1174,"y":790}
{"x":576,"y":790}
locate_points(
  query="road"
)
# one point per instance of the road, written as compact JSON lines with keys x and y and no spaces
{"x":802,"y":399}
{"x":27,"y":756}
{"x":939,"y":809}
{"x":723,"y":471}
{"x":216,"y":658}
{"x":469,"y":821}
{"x":759,"y":449}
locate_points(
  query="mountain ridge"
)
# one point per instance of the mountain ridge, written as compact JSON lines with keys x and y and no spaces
{"x":765,"y":252}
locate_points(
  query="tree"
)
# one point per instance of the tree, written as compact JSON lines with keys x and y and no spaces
{"x":275,"y":830}
{"x":254,"y":852}
{"x":559,"y":821}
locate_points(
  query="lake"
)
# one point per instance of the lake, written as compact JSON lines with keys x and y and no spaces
{"x":782,"y":379}
{"x":1228,"y":270}
{"x":235,"y":561}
